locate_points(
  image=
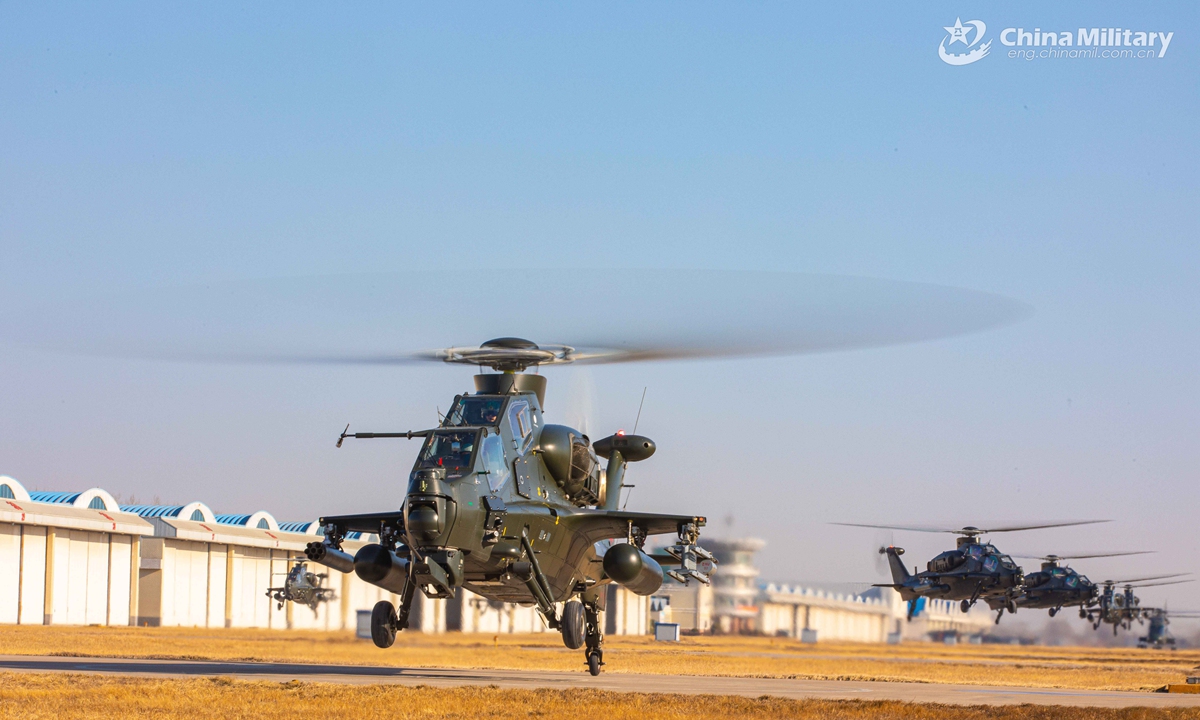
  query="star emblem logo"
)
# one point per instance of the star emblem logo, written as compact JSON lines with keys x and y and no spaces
{"x":974,"y":48}
{"x":958,"y":33}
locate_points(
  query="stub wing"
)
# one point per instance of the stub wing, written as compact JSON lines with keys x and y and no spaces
{"x":599,"y":525}
{"x":365,"y":523}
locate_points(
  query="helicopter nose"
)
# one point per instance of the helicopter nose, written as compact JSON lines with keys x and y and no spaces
{"x":423,"y":521}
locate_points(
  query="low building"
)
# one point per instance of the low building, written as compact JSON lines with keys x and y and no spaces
{"x":67,"y":558}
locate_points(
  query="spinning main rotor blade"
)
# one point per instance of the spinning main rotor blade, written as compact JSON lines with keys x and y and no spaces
{"x":1051,"y":558}
{"x":598,"y":316}
{"x":1157,"y":584}
{"x":1143,"y":579}
{"x":974,"y":530}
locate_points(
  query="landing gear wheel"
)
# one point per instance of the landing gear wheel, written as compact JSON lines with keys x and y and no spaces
{"x":383,"y":624}
{"x":1082,"y":613}
{"x":965,"y":605}
{"x":594,"y":638}
{"x":1053,"y":612}
{"x":574,"y":626}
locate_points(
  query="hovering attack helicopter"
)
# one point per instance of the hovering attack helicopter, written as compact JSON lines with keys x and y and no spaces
{"x":1121,"y":609}
{"x":303,"y":587}
{"x":1157,"y":635}
{"x":1053,"y":587}
{"x":514,"y":510}
{"x":971,"y":571}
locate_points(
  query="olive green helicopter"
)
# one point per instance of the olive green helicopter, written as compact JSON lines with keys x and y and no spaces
{"x":513,"y":509}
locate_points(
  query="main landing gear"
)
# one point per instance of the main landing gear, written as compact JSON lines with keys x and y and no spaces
{"x":580,"y":628}
{"x":386,"y":622}
{"x":573,"y":625}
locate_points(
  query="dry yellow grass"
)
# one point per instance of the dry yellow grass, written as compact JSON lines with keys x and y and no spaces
{"x":1084,"y":668}
{"x":82,"y":696}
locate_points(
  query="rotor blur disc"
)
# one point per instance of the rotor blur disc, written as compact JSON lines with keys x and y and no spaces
{"x":581,"y":316}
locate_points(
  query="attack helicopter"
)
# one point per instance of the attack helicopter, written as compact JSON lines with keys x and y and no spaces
{"x":303,"y":587}
{"x":513,"y":509}
{"x":1158,"y":637}
{"x":971,"y":571}
{"x":1121,"y":609}
{"x":1054,"y":586}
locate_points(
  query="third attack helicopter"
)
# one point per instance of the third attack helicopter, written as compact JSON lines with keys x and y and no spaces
{"x":1121,"y":609}
{"x":971,"y":571}
{"x":303,"y":587}
{"x":1054,"y":586}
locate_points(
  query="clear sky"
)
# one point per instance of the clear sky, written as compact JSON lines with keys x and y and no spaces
{"x":158,"y":145}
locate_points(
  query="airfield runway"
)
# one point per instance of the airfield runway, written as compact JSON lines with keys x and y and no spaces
{"x":617,"y":682}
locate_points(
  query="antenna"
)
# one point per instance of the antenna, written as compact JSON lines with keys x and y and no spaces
{"x":639,"y":415}
{"x":635,"y":424}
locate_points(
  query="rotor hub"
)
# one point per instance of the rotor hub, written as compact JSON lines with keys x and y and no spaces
{"x":510,"y":354}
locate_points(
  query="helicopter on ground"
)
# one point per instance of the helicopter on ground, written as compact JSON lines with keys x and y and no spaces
{"x":1054,"y":586}
{"x":514,"y":510}
{"x":973,"y":570}
{"x":1158,"y":637}
{"x":1121,"y":609}
{"x":303,"y":587}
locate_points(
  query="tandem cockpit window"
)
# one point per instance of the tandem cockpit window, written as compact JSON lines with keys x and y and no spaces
{"x":475,"y":411}
{"x":454,"y":451}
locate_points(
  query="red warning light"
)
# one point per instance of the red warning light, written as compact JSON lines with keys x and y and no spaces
{"x":620,"y":433}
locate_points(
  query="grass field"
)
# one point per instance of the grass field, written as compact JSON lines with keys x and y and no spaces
{"x":83,"y":696}
{"x":1084,"y":668}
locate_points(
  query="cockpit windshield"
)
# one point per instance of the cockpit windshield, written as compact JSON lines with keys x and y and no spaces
{"x":474,"y":411}
{"x":450,"y":450}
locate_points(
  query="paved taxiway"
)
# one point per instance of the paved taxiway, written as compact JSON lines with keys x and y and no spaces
{"x":618,"y":682}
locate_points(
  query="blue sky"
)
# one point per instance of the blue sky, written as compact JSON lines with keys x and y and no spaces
{"x":155,"y":145}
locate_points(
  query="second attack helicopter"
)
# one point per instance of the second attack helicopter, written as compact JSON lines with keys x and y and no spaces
{"x":971,"y":571}
{"x":1054,"y":586}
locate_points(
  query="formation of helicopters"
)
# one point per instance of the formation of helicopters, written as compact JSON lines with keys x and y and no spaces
{"x":514,"y":509}
{"x":975,"y":570}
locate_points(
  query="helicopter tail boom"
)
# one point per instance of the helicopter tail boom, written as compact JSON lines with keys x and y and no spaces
{"x":900,"y":574}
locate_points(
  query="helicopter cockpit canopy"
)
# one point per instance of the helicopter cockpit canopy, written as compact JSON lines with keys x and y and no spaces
{"x":453,"y":450}
{"x":473,"y":410}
